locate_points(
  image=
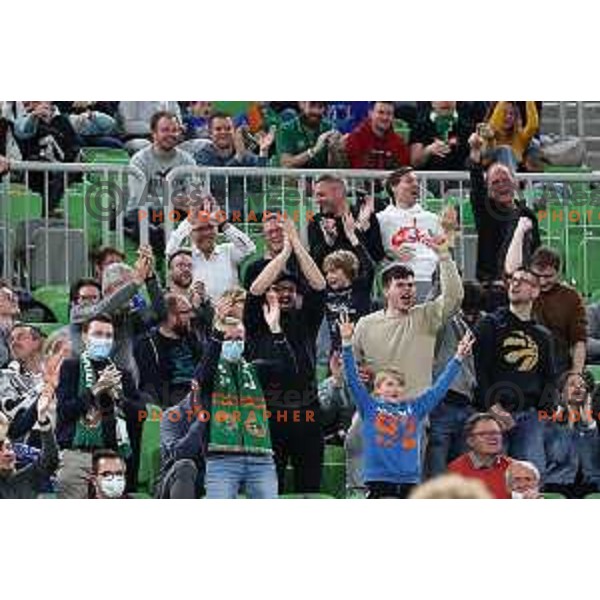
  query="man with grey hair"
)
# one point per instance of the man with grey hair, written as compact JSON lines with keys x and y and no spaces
{"x":523,"y":480}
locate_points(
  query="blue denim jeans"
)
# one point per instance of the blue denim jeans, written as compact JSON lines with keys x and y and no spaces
{"x":569,"y":449}
{"x":525,"y":441}
{"x":227,"y":475}
{"x":446,"y":436}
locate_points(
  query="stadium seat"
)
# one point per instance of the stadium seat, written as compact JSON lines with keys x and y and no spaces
{"x":593,"y":497}
{"x":551,"y":496}
{"x":48,"y":328}
{"x":150,"y":452}
{"x":106,"y":156}
{"x":20,"y":205}
{"x":56,"y":298}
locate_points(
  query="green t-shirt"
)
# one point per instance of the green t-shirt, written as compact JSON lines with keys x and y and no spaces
{"x":295,"y":138}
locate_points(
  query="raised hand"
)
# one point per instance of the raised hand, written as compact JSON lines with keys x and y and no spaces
{"x":349,"y":227}
{"x":223,"y":308}
{"x":438,"y":244}
{"x":449,"y":219}
{"x":197,"y":293}
{"x":238,"y":142}
{"x":524,"y":224}
{"x":272,"y":312}
{"x":290,"y":231}
{"x":346,"y":327}
{"x":465,"y":346}
{"x":366,"y":210}
{"x":46,"y":406}
{"x":336,"y":366}
{"x":265,"y":140}
{"x":51,"y":373}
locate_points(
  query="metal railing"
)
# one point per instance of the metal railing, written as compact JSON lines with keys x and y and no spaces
{"x":92,"y":201}
{"x":291,"y":189}
{"x":52,"y":214}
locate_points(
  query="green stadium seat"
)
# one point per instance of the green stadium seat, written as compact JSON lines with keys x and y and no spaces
{"x":552,"y":496}
{"x":56,"y":298}
{"x":593,"y":497}
{"x":150,"y":452}
{"x":20,"y":205}
{"x":110,"y":156}
{"x":48,"y":328}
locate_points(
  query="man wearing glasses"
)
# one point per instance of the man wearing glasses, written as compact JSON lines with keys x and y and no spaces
{"x":485,"y":459}
{"x":558,"y":307}
{"x":515,"y":366}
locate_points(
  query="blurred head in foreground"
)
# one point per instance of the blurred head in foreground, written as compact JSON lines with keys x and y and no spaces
{"x":451,"y":487}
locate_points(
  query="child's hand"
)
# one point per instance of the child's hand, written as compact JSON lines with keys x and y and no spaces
{"x":465,"y":345}
{"x":346,"y":327}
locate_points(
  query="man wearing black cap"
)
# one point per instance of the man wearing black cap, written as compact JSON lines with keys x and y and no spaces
{"x":295,"y":424}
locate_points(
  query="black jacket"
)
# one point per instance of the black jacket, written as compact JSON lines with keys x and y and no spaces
{"x":319,"y":249}
{"x":154,"y":360}
{"x":495,"y":228}
{"x":301,"y":327}
{"x":72,"y":405}
{"x":514,"y":363}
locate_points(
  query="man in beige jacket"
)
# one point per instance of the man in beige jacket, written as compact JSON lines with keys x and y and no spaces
{"x":402,"y":337}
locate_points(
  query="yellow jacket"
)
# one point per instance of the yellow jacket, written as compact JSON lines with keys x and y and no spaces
{"x":520,"y":137}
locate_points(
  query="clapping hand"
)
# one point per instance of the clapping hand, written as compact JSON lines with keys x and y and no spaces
{"x":272,"y":312}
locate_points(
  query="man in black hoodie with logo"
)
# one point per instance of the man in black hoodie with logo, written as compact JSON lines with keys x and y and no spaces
{"x":516,"y":372}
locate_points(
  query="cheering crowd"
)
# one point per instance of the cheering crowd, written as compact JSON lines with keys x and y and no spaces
{"x":366,"y":337}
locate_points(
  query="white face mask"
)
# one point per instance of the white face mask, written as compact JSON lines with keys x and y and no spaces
{"x":112,"y":486}
{"x":517,"y":496}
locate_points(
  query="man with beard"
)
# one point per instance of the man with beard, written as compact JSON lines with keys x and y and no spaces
{"x":374,"y":144}
{"x":155,"y":161}
{"x":496,"y":210}
{"x":304,"y":142}
{"x":167,"y":357}
{"x":326,"y":232}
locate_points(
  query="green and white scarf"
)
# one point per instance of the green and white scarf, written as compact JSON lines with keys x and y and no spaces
{"x":90,"y":436}
{"x":238,"y":418}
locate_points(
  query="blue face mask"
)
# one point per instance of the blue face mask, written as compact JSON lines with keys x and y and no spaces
{"x":232,"y":350}
{"x":99,"y":348}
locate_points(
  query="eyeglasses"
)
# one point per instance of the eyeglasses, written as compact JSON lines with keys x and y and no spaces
{"x":490,"y":434}
{"x":544,"y":276}
{"x":520,"y":280}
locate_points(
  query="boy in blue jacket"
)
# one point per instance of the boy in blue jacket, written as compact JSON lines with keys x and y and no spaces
{"x":393,"y":423}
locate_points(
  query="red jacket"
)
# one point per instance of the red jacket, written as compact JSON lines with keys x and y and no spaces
{"x":493,"y":477}
{"x":365,"y":150}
